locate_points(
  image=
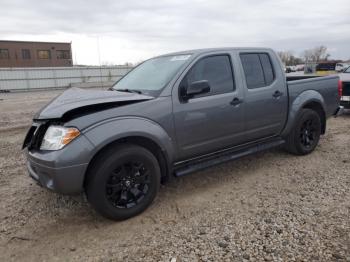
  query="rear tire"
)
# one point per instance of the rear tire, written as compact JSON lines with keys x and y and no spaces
{"x":123,"y":181}
{"x":305,"y":134}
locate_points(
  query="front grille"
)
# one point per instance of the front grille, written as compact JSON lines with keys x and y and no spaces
{"x":35,"y":135}
{"x":346,"y":89}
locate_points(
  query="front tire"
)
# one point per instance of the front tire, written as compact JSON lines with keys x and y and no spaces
{"x":305,"y":134}
{"x":123,"y":181}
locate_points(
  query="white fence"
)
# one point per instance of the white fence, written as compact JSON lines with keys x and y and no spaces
{"x":16,"y":79}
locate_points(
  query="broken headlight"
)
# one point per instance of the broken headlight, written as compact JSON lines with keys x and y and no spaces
{"x":56,"y":137}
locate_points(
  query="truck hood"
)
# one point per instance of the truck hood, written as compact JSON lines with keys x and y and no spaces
{"x":76,"y":99}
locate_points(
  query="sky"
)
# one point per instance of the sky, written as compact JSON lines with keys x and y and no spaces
{"x":115,"y":32}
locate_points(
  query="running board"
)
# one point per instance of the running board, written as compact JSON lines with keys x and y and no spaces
{"x":196,"y":165}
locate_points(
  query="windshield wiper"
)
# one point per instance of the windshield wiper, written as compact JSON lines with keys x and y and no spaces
{"x":129,"y":90}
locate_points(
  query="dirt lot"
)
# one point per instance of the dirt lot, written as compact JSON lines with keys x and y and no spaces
{"x":272,"y":206}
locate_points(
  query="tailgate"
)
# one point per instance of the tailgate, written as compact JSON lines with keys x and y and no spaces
{"x":346,"y":91}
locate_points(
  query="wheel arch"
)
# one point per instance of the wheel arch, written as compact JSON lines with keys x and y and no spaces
{"x":135,"y":130}
{"x":144,"y":142}
{"x":310,"y":99}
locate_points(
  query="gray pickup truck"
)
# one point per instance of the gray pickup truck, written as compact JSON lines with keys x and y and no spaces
{"x":172,"y":115}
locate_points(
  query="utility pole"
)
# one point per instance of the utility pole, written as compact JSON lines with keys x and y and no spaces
{"x":99,"y":60}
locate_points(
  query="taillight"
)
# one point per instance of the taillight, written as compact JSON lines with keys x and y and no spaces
{"x":340,"y":88}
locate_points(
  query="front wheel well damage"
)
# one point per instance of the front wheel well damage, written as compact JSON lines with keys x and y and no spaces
{"x":147,"y":143}
{"x":317,"y":107}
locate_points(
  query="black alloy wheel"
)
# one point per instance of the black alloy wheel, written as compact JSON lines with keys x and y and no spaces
{"x":308,"y":133}
{"x":305,"y":134}
{"x":123,"y":181}
{"x":128,"y":184}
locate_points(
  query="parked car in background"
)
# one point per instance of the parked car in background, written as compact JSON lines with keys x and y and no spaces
{"x":344,"y":88}
{"x":290,"y":69}
{"x":170,"y":116}
{"x":300,"y":67}
{"x":340,"y":67}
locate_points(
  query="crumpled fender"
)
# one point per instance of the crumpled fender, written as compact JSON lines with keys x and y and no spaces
{"x":108,"y":131}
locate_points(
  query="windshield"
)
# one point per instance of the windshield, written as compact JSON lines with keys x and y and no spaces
{"x":151,"y":76}
{"x":347,"y":70}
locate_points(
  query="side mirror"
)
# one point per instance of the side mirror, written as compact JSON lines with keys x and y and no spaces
{"x":197,"y":87}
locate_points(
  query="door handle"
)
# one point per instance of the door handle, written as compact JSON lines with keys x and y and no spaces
{"x":277,"y":94}
{"x":236,"y":101}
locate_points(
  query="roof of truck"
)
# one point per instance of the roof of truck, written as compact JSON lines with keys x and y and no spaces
{"x":209,"y":50}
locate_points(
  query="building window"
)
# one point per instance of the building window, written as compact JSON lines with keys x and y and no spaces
{"x":4,"y":54}
{"x":25,"y":54}
{"x":44,"y":54}
{"x":63,"y":54}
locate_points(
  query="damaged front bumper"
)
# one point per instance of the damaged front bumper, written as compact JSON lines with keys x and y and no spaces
{"x":62,"y":171}
{"x":64,"y":180}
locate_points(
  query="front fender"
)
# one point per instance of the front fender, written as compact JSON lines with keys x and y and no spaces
{"x":108,"y":131}
{"x":300,"y":102}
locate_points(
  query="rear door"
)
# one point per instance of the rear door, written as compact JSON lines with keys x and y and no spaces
{"x":266,"y":98}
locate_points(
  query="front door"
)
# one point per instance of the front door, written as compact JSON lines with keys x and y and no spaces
{"x":210,"y":121}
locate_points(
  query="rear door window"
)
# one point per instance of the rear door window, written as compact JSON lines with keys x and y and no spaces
{"x":258,"y":69}
{"x":267,"y":68}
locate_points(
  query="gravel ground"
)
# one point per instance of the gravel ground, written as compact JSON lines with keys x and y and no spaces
{"x":271,"y":206}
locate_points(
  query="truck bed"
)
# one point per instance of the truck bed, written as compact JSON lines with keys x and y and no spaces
{"x":300,"y":77}
{"x":326,"y":86}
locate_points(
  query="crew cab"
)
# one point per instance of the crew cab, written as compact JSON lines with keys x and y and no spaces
{"x":172,"y":115}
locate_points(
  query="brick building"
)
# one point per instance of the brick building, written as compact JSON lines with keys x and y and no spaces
{"x":35,"y":54}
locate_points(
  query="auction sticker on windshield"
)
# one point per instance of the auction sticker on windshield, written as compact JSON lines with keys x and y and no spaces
{"x":180,"y":57}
